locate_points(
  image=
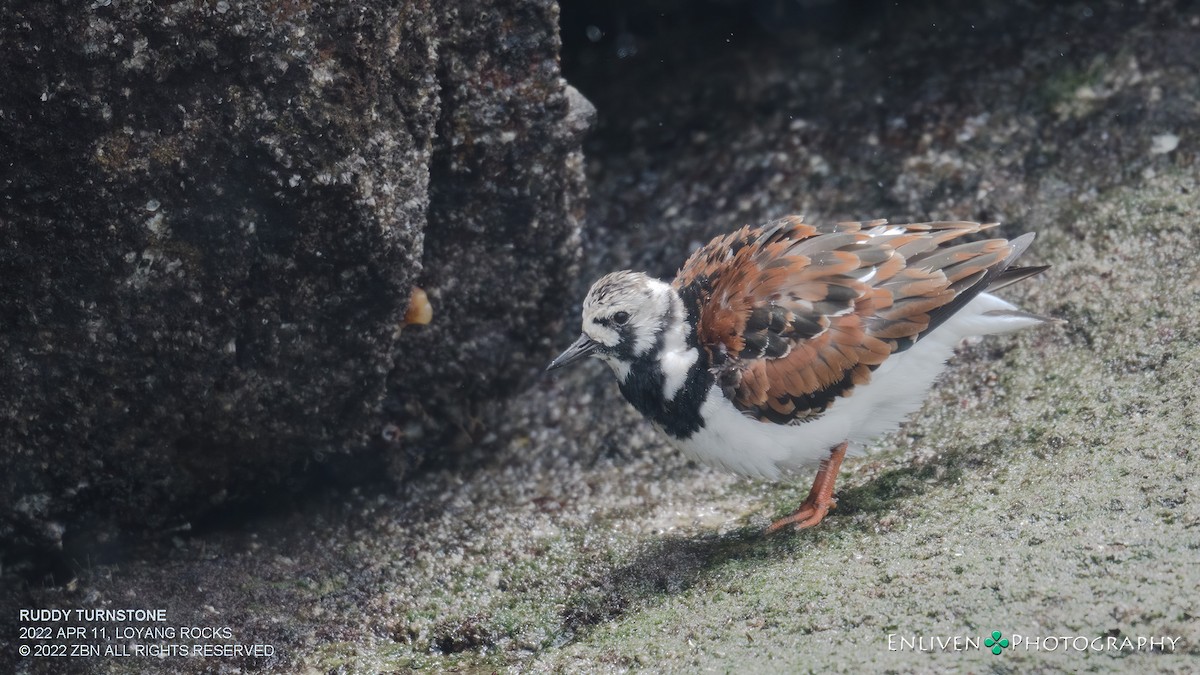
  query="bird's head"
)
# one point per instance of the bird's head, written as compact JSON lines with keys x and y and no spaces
{"x":623,"y":315}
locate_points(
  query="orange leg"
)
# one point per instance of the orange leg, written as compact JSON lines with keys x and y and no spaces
{"x":820,"y":497}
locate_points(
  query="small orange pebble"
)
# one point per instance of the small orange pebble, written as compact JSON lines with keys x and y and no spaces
{"x":419,"y":312}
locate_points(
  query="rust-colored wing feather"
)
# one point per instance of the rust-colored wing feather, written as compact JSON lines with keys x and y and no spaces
{"x":792,"y":316}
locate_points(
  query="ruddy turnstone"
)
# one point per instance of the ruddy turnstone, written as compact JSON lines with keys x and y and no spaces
{"x":788,"y":345}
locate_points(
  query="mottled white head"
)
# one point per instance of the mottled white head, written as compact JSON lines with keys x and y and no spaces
{"x":624,"y":314}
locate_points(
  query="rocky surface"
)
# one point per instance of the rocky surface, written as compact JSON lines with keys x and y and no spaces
{"x":1045,"y":490}
{"x":505,"y":206}
{"x":213,"y":217}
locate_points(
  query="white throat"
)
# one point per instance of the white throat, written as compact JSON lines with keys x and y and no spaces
{"x":619,"y":367}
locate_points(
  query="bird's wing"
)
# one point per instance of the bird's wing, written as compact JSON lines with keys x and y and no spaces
{"x":793,"y":316}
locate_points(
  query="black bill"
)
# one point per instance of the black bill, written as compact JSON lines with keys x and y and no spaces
{"x":582,"y":348}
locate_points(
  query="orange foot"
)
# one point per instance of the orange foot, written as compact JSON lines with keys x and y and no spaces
{"x":820,"y":497}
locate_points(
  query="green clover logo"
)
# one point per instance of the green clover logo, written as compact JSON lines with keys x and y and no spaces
{"x":996,"y":643}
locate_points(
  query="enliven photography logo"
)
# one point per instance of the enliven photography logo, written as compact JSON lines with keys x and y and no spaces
{"x":999,"y":642}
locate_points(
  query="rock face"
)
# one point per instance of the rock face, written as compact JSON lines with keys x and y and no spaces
{"x":505,"y":199}
{"x":213,"y":217}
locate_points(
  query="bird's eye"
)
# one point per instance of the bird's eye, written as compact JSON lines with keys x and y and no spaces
{"x":620,"y":318}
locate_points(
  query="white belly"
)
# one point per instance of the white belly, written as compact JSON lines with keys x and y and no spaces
{"x":897,"y":389}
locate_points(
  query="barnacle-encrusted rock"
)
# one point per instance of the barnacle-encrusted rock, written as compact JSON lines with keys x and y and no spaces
{"x":213,"y":217}
{"x":506,"y":190}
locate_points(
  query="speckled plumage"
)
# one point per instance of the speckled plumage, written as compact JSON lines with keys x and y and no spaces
{"x":786,"y":345}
